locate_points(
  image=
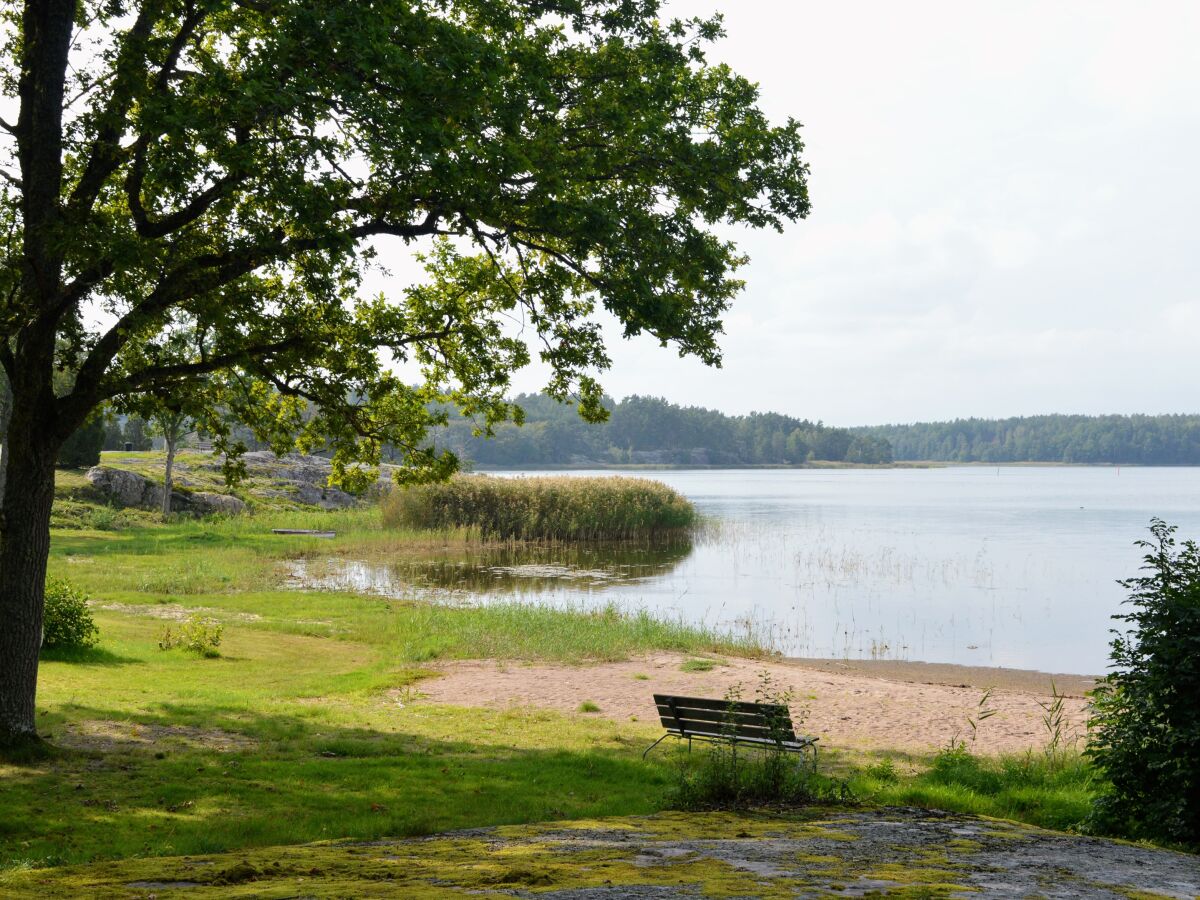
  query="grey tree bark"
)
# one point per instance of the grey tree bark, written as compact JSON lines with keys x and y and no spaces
{"x":168,"y":478}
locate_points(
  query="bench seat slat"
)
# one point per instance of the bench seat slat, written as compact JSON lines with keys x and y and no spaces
{"x":740,"y":706}
{"x":718,"y":728}
{"x":782,"y":721}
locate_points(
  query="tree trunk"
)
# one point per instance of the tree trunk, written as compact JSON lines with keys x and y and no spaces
{"x":5,"y":415}
{"x":24,"y":547}
{"x":168,"y":480}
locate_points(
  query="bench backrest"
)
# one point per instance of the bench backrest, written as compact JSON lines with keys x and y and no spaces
{"x":722,"y":718}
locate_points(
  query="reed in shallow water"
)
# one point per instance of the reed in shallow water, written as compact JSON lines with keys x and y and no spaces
{"x":544,"y":508}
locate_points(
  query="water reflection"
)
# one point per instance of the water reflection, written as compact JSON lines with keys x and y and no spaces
{"x":512,"y":571}
{"x":1003,"y":567}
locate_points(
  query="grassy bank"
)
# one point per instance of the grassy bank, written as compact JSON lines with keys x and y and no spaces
{"x":291,"y":737}
{"x":303,"y":728}
{"x":543,"y":508}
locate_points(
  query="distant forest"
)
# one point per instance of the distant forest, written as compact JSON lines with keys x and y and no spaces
{"x":652,"y":431}
{"x":649,"y":430}
{"x":1129,"y":440}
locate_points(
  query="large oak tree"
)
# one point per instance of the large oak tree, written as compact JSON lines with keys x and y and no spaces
{"x":193,"y":190}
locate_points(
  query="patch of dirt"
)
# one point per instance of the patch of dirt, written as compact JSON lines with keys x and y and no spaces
{"x":107,"y":736}
{"x":846,"y":709}
{"x":175,"y":612}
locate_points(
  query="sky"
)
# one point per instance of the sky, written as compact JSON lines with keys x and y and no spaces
{"x":1005,"y":199}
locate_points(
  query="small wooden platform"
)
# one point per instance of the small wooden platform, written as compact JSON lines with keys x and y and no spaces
{"x":309,"y":532}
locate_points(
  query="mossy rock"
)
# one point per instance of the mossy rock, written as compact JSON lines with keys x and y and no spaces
{"x":817,"y":853}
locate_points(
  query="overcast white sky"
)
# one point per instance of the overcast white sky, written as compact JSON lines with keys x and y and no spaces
{"x":1004,"y":214}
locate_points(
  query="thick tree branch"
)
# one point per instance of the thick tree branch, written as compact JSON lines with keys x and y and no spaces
{"x":46,"y":31}
{"x":180,"y":218}
{"x":210,"y":272}
{"x":139,"y":381}
{"x":105,"y":154}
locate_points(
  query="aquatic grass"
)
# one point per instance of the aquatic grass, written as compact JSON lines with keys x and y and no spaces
{"x":423,"y":631}
{"x":543,"y":508}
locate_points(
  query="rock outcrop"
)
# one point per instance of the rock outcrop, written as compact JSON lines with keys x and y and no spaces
{"x":291,"y":479}
{"x":126,"y":488}
{"x":298,"y":478}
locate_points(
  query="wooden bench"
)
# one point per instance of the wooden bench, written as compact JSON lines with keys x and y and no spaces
{"x":764,"y":725}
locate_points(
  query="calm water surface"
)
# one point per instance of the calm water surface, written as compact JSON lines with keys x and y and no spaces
{"x":1008,"y":567}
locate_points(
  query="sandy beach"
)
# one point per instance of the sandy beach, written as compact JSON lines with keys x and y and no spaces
{"x":862,"y":705}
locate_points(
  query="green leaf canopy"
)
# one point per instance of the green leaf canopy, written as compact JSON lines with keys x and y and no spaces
{"x":230,"y":170}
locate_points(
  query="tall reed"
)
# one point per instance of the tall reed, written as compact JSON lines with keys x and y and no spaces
{"x":544,"y":508}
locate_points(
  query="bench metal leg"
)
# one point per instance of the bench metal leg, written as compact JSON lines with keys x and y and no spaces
{"x":655,"y":744}
{"x":810,"y":748}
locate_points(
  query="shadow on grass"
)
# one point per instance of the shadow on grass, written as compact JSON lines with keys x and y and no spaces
{"x":163,"y":786}
{"x":86,"y":656}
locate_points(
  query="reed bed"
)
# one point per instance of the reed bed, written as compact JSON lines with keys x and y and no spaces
{"x":545,"y":508}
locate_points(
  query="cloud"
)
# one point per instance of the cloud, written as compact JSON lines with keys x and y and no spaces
{"x":1004,"y":214}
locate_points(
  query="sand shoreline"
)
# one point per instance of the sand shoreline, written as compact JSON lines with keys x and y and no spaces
{"x":868,"y":705}
{"x":982,"y":677}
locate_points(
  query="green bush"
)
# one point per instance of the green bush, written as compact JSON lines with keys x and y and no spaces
{"x":67,"y":621}
{"x":732,"y":776}
{"x":82,"y":449}
{"x":195,"y":635}
{"x":1145,"y":723}
{"x":559,"y":508}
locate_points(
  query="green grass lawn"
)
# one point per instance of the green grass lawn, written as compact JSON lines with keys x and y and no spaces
{"x":304,"y":728}
{"x":287,"y":738}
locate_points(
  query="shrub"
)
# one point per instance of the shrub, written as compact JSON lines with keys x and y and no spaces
{"x":1145,"y":722}
{"x":731,"y":776}
{"x":67,"y":622}
{"x":195,"y":635}
{"x":559,"y":508}
{"x":82,"y":449}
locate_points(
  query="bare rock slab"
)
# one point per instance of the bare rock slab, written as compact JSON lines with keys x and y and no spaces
{"x":129,"y":489}
{"x":814,"y":853}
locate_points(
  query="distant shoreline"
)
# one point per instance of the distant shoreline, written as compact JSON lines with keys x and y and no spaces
{"x":816,"y":465}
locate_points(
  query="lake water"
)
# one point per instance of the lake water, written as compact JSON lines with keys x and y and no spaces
{"x":1014,"y":566}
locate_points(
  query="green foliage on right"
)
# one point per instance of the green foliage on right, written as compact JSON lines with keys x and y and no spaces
{"x":563,"y":509}
{"x":67,"y":622}
{"x":1146,"y":722}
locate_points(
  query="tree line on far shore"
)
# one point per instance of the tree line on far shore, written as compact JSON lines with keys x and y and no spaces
{"x":651,"y":430}
{"x":1167,"y":440}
